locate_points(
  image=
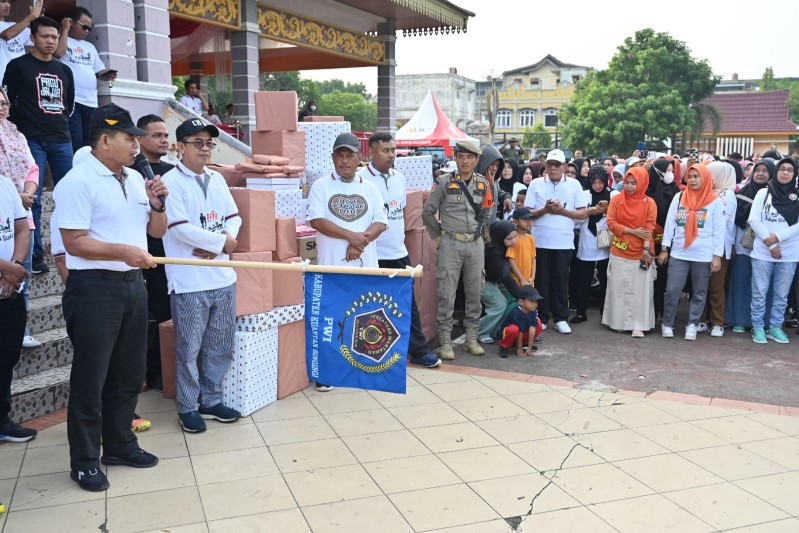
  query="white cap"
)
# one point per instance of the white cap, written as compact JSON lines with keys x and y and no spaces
{"x":556,"y":155}
{"x":451,"y":166}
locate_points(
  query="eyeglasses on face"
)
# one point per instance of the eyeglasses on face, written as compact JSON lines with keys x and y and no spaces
{"x":85,"y":27}
{"x":4,"y":105}
{"x":198,"y":144}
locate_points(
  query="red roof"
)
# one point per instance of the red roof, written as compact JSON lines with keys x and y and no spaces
{"x":753,"y":112}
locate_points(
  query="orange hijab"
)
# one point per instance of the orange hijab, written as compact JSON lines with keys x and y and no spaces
{"x":693,"y":200}
{"x":631,"y":208}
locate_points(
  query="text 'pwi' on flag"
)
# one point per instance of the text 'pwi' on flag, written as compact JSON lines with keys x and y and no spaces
{"x":357,"y":330}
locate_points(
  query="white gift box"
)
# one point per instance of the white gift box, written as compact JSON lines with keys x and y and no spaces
{"x":250,"y":382}
{"x":311,"y":176}
{"x":319,"y":139}
{"x":271,"y":320}
{"x":418,"y":171}
{"x":289,"y":204}
{"x":274,"y":184}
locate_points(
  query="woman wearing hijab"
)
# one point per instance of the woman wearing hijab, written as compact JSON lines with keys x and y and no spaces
{"x":617,"y":177}
{"x":500,"y":287}
{"x":713,"y":318}
{"x":536,"y":169}
{"x":583,"y":166}
{"x":739,"y":294}
{"x":609,"y":164}
{"x":693,"y":243}
{"x":773,"y":217}
{"x":662,"y":189}
{"x":590,"y":258}
{"x":17,"y":165}
{"x":523,"y":181}
{"x":631,"y":220}
{"x":508,"y":176}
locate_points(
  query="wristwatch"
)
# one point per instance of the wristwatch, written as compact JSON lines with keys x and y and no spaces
{"x":17,"y":261}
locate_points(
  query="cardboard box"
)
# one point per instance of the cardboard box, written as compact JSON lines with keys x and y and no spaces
{"x":290,"y":204}
{"x":286,"y":238}
{"x":257,"y":212}
{"x":289,"y":144}
{"x":306,"y":247}
{"x":292,"y":370}
{"x":428,"y":295}
{"x":322,"y":118}
{"x":413,"y":210}
{"x":253,"y":286}
{"x":275,"y":111}
{"x":319,"y":139}
{"x":288,"y":286}
{"x":250,"y":382}
{"x":166,"y":332}
{"x":418,"y":171}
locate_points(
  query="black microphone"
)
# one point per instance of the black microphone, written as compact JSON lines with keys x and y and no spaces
{"x":147,"y":170}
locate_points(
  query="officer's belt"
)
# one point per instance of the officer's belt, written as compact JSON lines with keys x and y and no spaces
{"x":463,"y":237}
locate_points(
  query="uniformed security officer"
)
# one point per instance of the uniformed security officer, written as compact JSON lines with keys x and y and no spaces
{"x":463,"y":201}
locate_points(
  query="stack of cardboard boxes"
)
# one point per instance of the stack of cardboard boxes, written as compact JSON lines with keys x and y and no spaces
{"x":422,"y":251}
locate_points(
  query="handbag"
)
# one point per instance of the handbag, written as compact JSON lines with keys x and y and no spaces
{"x":748,"y":238}
{"x":603,"y":239}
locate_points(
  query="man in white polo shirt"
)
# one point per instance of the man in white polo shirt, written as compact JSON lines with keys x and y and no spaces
{"x":556,"y":202}
{"x":203,"y":223}
{"x":105,"y":212}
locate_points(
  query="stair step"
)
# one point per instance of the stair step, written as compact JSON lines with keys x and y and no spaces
{"x":40,"y":394}
{"x":48,"y":204}
{"x":44,"y":314}
{"x":55,"y":351}
{"x":47,"y":284}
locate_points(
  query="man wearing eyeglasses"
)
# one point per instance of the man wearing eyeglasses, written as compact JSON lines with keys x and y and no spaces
{"x":203,"y":223}
{"x":83,"y":59}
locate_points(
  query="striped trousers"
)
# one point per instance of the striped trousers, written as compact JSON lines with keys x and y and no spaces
{"x":204,"y":327}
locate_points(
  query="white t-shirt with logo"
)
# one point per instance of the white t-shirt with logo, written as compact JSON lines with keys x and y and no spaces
{"x":12,"y":48}
{"x":765,"y":220}
{"x":587,"y":249}
{"x":353,"y":205}
{"x":390,"y":243}
{"x":710,"y":235}
{"x":551,"y":231}
{"x":85,"y":62}
{"x":11,"y":210}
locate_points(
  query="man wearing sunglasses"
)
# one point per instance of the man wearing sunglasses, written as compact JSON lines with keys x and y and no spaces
{"x":203,"y":223}
{"x":76,"y":52}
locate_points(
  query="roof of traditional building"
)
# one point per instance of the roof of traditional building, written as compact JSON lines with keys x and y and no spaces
{"x":417,"y":17}
{"x":549,"y":58}
{"x":752,"y":112}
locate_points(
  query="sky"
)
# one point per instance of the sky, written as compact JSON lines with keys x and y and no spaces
{"x":733,"y":36}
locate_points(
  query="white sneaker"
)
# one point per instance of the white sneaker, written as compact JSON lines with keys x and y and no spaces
{"x":702,"y":327}
{"x":543,"y":326}
{"x":29,"y":342}
{"x":717,"y":331}
{"x":690,"y":332}
{"x":563,"y":327}
{"x":667,"y":332}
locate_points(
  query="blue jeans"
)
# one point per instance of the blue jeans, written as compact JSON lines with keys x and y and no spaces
{"x":79,"y":124}
{"x":777,"y":275}
{"x":59,"y":156}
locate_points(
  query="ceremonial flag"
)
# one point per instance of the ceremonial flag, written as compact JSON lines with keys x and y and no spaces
{"x":357,"y":330}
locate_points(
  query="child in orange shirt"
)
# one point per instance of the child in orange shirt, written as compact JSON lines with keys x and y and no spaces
{"x":521,"y":255}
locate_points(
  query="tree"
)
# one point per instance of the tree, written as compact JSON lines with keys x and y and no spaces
{"x":353,"y":107}
{"x":537,"y":137}
{"x":767,"y":83}
{"x":647,"y":91}
{"x":329,"y":86}
{"x":306,"y":90}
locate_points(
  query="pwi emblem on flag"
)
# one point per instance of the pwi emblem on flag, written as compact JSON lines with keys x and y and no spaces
{"x":373,"y":333}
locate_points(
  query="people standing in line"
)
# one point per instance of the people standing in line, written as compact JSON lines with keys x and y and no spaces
{"x":41,"y":92}
{"x":391,"y":250}
{"x":463,"y":203}
{"x":629,"y":305}
{"x":774,"y":218}
{"x":739,"y":294}
{"x":556,"y":202}
{"x":14,"y":246}
{"x":693,"y":243}
{"x":193,"y":99}
{"x":104,"y":212}
{"x":14,"y":35}
{"x":81,"y":56}
{"x":203,"y":223}
{"x":154,"y":146}
{"x":662,"y":189}
{"x":348,"y":213}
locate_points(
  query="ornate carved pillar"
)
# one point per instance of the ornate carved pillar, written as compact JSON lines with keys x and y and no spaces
{"x":245,"y":68}
{"x":386,"y":83}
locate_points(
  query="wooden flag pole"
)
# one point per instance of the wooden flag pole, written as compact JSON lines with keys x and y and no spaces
{"x":364,"y":271}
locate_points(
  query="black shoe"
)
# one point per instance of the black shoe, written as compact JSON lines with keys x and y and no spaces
{"x":192,"y":422}
{"x":38,"y":266}
{"x":578,"y":318}
{"x":220,"y":412}
{"x":93,"y":479}
{"x":138,"y":459}
{"x":791,"y":323}
{"x":429,"y":360}
{"x":157,"y":384}
{"x":12,"y":432}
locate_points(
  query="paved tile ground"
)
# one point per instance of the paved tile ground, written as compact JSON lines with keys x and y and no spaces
{"x":465,"y":451}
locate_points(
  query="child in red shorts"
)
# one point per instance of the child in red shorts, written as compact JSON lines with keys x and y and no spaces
{"x":521,"y":326}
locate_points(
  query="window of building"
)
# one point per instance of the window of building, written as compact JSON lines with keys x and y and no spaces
{"x":503,"y":118}
{"x":526,"y":118}
{"x":535,"y":83}
{"x":551,"y":118}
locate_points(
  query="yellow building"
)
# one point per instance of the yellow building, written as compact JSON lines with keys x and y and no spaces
{"x":534,"y":94}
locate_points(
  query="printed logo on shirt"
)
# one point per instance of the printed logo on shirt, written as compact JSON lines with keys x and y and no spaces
{"x":79,"y":56}
{"x":14,"y":46}
{"x":6,"y":229}
{"x":682,"y":217}
{"x":347,"y":207}
{"x":620,"y":244}
{"x":51,"y":93}
{"x":393,"y":210}
{"x":770,"y":214}
{"x":211,"y":222}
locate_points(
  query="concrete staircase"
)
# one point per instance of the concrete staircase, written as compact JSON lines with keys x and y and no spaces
{"x":41,"y":378}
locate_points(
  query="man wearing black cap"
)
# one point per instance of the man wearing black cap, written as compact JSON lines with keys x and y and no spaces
{"x":348,"y":213}
{"x":105,"y":212}
{"x":463,"y":202}
{"x":203,"y":223}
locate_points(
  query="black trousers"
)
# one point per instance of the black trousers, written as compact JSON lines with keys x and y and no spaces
{"x":552,"y":282}
{"x":659,"y":294}
{"x":417,"y":345}
{"x":106,"y":319}
{"x":12,"y":329}
{"x":160,"y":311}
{"x":584,"y":275}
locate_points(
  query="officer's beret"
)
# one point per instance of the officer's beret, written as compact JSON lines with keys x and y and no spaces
{"x":469,"y":147}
